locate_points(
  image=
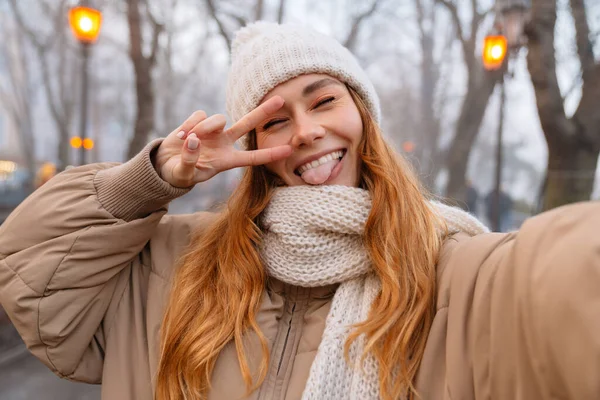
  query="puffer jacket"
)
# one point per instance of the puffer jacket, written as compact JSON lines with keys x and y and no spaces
{"x":85,"y":264}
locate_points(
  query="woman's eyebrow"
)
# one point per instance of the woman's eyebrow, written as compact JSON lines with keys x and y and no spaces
{"x":321,"y":83}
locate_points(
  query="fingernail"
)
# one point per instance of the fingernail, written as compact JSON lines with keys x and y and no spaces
{"x":193,"y":142}
{"x":180,"y":134}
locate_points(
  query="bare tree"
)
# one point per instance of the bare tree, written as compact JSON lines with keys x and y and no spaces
{"x":142,"y":65}
{"x":171,"y":79}
{"x":60,"y":93}
{"x":223,"y":31}
{"x":358,"y":21}
{"x":229,"y":19}
{"x":15,"y":95}
{"x":573,"y":143}
{"x":433,"y":90}
{"x":480,"y":86}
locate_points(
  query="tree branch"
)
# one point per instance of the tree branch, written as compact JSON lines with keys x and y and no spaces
{"x":213,"y":13}
{"x":420,"y":17}
{"x":157,"y":29}
{"x":240,"y":20}
{"x":477,"y":19}
{"x":41,"y":49}
{"x":542,"y":68}
{"x":453,"y":10}
{"x":350,"y":41}
{"x":586,"y":116}
{"x":30,"y":34}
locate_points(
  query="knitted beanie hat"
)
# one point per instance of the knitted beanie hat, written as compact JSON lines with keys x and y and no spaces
{"x":265,"y":54}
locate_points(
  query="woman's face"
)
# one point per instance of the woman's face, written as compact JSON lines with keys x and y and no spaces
{"x":322,"y":124}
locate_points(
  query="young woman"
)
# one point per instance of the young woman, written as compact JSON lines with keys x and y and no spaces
{"x":328,"y":275}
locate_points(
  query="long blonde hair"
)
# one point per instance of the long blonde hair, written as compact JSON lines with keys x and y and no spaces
{"x":215,"y":299}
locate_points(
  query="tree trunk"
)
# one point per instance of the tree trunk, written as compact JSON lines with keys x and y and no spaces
{"x":281,"y":11}
{"x":570,"y":175}
{"x":63,"y":145}
{"x":427,"y":141}
{"x":142,"y":65}
{"x":573,"y":143}
{"x":144,"y":121}
{"x":467,"y":128}
{"x":479,"y":89}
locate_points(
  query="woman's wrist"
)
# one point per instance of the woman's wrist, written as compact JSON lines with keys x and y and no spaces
{"x":135,"y":189}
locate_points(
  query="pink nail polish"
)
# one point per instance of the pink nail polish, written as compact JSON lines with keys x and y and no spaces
{"x":180,"y":134}
{"x":193,"y":142}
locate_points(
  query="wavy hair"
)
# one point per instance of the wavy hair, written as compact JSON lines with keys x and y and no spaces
{"x":215,"y":300}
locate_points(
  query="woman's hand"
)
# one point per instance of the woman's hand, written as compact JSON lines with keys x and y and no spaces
{"x":201,"y":147}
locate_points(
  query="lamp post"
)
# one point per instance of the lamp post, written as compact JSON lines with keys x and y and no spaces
{"x":85,"y":24}
{"x":505,"y":40}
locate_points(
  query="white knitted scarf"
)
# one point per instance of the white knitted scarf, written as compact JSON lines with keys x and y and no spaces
{"x":313,"y":237}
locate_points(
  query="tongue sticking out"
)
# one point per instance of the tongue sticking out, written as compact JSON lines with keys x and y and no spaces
{"x":318,"y":175}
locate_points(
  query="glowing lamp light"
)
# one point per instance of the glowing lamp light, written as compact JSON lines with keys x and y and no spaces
{"x":85,"y":23}
{"x":7,"y":167}
{"x":88,"y":144}
{"x":76,"y":142}
{"x":494,"y":51}
{"x":48,"y":169}
{"x":408,"y":146}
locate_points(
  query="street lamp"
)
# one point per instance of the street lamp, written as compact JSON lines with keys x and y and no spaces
{"x":85,"y":24}
{"x":78,"y":143}
{"x":507,"y":36}
{"x":506,"y":39}
{"x":494,"y":51}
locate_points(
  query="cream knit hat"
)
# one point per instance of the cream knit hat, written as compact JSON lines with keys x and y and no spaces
{"x":265,"y":54}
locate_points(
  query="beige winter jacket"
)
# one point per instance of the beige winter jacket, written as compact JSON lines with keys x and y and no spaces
{"x":86,"y":260}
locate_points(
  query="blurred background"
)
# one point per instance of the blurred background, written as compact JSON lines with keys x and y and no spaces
{"x":495,"y":103}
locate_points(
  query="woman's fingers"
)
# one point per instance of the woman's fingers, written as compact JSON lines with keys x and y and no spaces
{"x":184,"y":170}
{"x":184,"y":129}
{"x":254,"y":117}
{"x":259,"y":157}
{"x":195,"y":136}
{"x":214,"y":123}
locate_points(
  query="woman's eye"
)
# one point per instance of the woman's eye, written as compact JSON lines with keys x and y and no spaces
{"x":272,"y":123}
{"x":325,"y":101}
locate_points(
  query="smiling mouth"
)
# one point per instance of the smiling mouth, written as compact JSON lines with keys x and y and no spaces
{"x":334,"y":155}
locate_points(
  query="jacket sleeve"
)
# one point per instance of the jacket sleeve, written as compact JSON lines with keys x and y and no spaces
{"x":62,"y":252}
{"x":524,"y":317}
{"x":555,"y":281}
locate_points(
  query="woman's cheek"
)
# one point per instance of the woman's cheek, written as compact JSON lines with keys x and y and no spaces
{"x":272,"y":139}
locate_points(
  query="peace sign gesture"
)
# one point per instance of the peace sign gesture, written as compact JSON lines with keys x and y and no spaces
{"x":201,"y":147}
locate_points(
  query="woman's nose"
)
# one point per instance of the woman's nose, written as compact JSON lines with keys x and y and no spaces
{"x":306,"y":132}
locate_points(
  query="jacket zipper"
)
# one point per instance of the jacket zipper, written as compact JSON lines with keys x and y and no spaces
{"x":287,"y":335}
